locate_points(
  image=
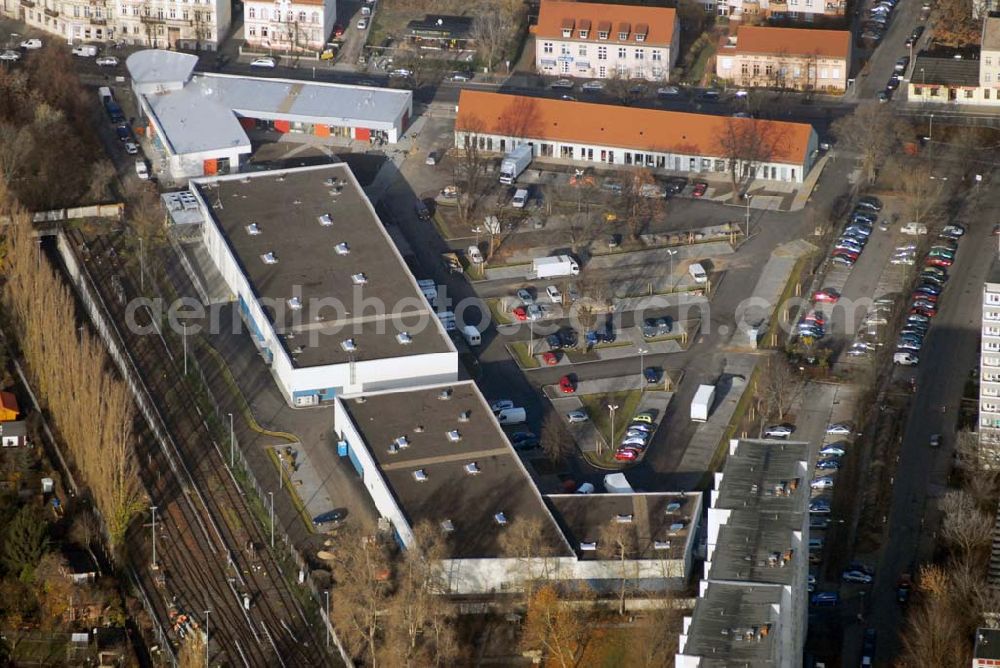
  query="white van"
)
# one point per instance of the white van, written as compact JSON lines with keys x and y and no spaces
{"x":914,"y":228}
{"x":514,"y":415}
{"x":141,"y":170}
{"x":520,"y":198}
{"x":905,"y":359}
{"x":105,"y":95}
{"x":472,"y":335}
{"x":697,"y":273}
{"x":85,"y":50}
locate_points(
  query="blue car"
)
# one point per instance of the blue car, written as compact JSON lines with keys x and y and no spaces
{"x":652,"y":374}
{"x":828,"y":465}
{"x":819,"y":506}
{"x":825,"y":599}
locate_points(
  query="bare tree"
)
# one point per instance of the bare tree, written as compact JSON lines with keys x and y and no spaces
{"x":618,"y":542}
{"x":470,"y":170}
{"x":494,"y":26}
{"x":580,"y":231}
{"x":746,"y":144}
{"x":192,"y":654}
{"x":777,"y":387}
{"x":555,"y":440}
{"x":102,"y":175}
{"x":966,"y":527}
{"x":555,"y":628}
{"x":656,"y":637}
{"x":524,"y":542}
{"x":922,"y":191}
{"x":362,"y":593}
{"x":641,"y":201}
{"x":873,"y":132}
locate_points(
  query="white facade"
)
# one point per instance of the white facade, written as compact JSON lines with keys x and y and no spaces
{"x":562,"y":57}
{"x":989,"y":378}
{"x":194,"y":24}
{"x":308,"y":386}
{"x":802,"y":10}
{"x":288,"y":26}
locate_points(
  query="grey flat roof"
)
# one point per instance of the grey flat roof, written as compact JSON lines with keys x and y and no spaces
{"x":940,"y":71}
{"x":584,"y":518}
{"x":286,"y":207}
{"x":470,"y":502}
{"x":729,"y":625}
{"x":763,"y":474}
{"x":158,"y":66}
{"x":202,"y":115}
{"x":756,"y":547}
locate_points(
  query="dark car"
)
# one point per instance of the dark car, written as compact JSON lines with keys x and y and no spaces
{"x":123,"y":132}
{"x":553,"y":341}
{"x":524,"y":440}
{"x":653,"y":327}
{"x":710,"y":96}
{"x":870,"y":203}
{"x":422,"y":211}
{"x":653,"y":374}
{"x":568,"y":337}
{"x":335,"y":515}
{"x":675,"y":185}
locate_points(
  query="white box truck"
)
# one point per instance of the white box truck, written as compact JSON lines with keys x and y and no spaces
{"x":554,"y":266}
{"x":472,"y":335}
{"x":701,"y":405}
{"x":514,"y":163}
{"x":617,"y":483}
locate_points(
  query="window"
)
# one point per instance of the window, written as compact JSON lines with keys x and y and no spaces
{"x":769,"y":69}
{"x":989,"y":61}
{"x":582,"y":51}
{"x":159,"y":12}
{"x":173,"y":13}
{"x":275,"y":15}
{"x":622,"y":70}
{"x":622,"y":36}
{"x":986,"y":93}
{"x":988,"y":76}
{"x":584,"y":33}
{"x":756,"y":69}
{"x":602,"y":53}
{"x":124,"y":10}
{"x":968,"y":94}
{"x":253,"y":13}
{"x":935,"y":92}
{"x":917,"y":90}
{"x":602,"y":34}
{"x":315,"y":17}
{"x":640,"y":37}
{"x":657,"y":55}
{"x":253,"y":31}
{"x":567,"y":32}
{"x":640,"y":54}
{"x":184,"y":14}
{"x":546,"y":47}
{"x":835,"y":73}
{"x":745,"y":69}
{"x":564,"y":49}
{"x":622,"y":52}
{"x":302,"y":17}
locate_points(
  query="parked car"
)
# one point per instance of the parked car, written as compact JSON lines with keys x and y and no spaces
{"x":652,"y":374}
{"x":550,"y":358}
{"x":819,"y":506}
{"x":31,"y":44}
{"x":953,"y":231}
{"x":131,"y":148}
{"x":654,"y":327}
{"x":554,"y":295}
{"x":524,"y":440}
{"x":577,"y":416}
{"x":474,"y":254}
{"x":826,"y":296}
{"x":839,"y":429}
{"x":823,"y":482}
{"x":825,"y":599}
{"x":935,"y":441}
{"x":779,"y":431}
{"x":10,"y":56}
{"x":870,"y":203}
{"x":700,"y":188}
{"x":645,"y":416}
{"x":593,"y":86}
{"x":856,"y":576}
{"x":460,"y":76}
{"x":107,"y":61}
{"x":833,"y":450}
{"x":567,"y":385}
{"x":562,"y":84}
{"x":828,"y":465}
{"x":265,"y":62}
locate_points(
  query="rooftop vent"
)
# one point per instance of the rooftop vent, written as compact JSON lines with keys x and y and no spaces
{"x":454,"y":436}
{"x":445,"y":394}
{"x":393,"y":449}
{"x":661,"y":545}
{"x":404,"y":338}
{"x":673,"y":506}
{"x":464,"y":416}
{"x":295,"y":303}
{"x":342,"y":248}
{"x":447,"y":526}
{"x":269,"y":258}
{"x":361,"y":400}
{"x":420,"y":475}
{"x":588,"y":547}
{"x":500,"y":519}
{"x":359,"y":279}
{"x":623,"y":518}
{"x":325,"y":220}
{"x":419,"y":429}
{"x":472,"y":468}
{"x":676,"y":527}
{"x":329,"y":182}
{"x":348,"y":345}
{"x":253,"y":229}
{"x":402,"y":442}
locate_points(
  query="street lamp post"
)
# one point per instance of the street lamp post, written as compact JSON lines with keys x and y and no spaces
{"x":671,"y":253}
{"x":930,"y":128}
{"x":642,"y":367}
{"x":271,"y":494}
{"x":153,"y":510}
{"x":611,"y":409}
{"x":748,"y":197}
{"x":142,"y":268}
{"x":232,"y":443}
{"x":327,"y":592}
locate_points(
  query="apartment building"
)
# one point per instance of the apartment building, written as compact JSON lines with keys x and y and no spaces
{"x":798,"y":10}
{"x":942,"y":79}
{"x":591,"y":40}
{"x":795,"y":58}
{"x":989,"y":373}
{"x":300,"y":25}
{"x":194,"y":24}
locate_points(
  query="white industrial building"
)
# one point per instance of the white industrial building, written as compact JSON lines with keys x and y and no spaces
{"x":199,"y":24}
{"x":753,"y":598}
{"x":438,"y":455}
{"x":199,"y":122}
{"x":325,"y":295}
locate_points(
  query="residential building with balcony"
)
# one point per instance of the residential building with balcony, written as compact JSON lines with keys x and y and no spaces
{"x":796,"y":58}
{"x":74,"y":20}
{"x":989,"y":373}
{"x":591,"y":40}
{"x":300,"y":25}
{"x":796,"y":10}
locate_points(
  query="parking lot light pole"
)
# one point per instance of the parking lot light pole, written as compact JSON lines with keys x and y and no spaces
{"x":271,"y":494}
{"x":748,"y":197}
{"x":930,"y":128}
{"x":232,"y":443}
{"x":153,"y":510}
{"x":611,"y":409}
{"x":642,"y":368}
{"x":327,"y":592}
{"x":671,"y":253}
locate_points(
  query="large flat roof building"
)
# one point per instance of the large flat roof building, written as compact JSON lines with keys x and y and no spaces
{"x":438,"y":455}
{"x":327,"y":298}
{"x":200,"y":121}
{"x":752,"y":599}
{"x":663,"y":141}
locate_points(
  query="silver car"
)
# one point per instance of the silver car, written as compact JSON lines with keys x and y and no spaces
{"x":577,"y":416}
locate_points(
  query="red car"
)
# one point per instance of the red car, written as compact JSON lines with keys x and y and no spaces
{"x":624,"y":455}
{"x":846,"y":254}
{"x":816,"y":317}
{"x":550,"y":358}
{"x":827,"y":296}
{"x":925,"y":296}
{"x":926,"y":312}
{"x":520,"y":313}
{"x":936,"y":261}
{"x":338,"y":30}
{"x":699,"y":189}
{"x":567,"y":385}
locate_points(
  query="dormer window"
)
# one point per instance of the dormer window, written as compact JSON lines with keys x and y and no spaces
{"x":639,"y":37}
{"x":567,"y":32}
{"x":622,"y":36}
{"x":253,"y":229}
{"x":447,"y":526}
{"x":602,"y":34}
{"x":567,"y":27}
{"x":584,"y":33}
{"x":402,"y":442}
{"x":661,"y":545}
{"x":404,"y":338}
{"x":500,"y":519}
{"x":588,"y":547}
{"x":454,"y":436}
{"x":472,"y":468}
{"x":623,"y":518}
{"x":641,"y":29}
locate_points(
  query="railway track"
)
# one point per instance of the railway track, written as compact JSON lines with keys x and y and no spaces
{"x":212,"y":554}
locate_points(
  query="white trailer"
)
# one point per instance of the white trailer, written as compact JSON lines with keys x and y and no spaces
{"x":515,"y":162}
{"x":472,"y":335}
{"x":701,"y":405}
{"x":554,"y":266}
{"x":617,"y":483}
